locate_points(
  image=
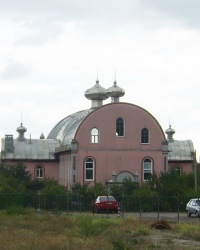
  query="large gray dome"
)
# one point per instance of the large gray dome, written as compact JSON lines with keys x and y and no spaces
{"x":65,"y":130}
{"x":96,"y":93}
{"x":180,"y":150}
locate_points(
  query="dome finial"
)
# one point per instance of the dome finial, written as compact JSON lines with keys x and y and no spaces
{"x":115,"y":92}
{"x":115,"y":81}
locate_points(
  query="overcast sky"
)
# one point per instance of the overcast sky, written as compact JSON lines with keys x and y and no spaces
{"x":50,"y":51}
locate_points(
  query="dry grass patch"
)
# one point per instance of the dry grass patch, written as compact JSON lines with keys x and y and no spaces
{"x":75,"y":232}
{"x":161,"y":225}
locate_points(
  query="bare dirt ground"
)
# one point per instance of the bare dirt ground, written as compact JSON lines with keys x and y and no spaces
{"x":170,"y":240}
{"x":162,"y":239}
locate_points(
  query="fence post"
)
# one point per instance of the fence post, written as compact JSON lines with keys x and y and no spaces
{"x":38,"y":209}
{"x":158,"y":207}
{"x":67,"y":204}
{"x":140,"y":209}
{"x":122,"y":205}
{"x":178,"y":207}
{"x":80,"y":202}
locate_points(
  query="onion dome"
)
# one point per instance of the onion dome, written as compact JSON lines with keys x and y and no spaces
{"x":97,"y":94}
{"x":115,"y":92}
{"x":21,"y":130}
{"x":170,"y":131}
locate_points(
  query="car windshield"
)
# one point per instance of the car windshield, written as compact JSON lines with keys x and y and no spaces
{"x":106,"y":198}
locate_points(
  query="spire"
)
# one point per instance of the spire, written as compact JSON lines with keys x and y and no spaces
{"x":115,"y":92}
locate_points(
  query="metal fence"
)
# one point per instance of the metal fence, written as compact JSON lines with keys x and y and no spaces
{"x":81,"y":203}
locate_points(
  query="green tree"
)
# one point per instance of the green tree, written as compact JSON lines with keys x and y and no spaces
{"x":9,"y":184}
{"x":97,"y":189}
{"x":19,"y":172}
{"x":116,"y":190}
{"x":171,"y":184}
{"x":51,"y":186}
{"x":33,"y":186}
{"x":78,"y":189}
{"x":129,"y":186}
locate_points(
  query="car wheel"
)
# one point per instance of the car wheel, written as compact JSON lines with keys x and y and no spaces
{"x":189,"y":214}
{"x":197,"y":214}
{"x":97,"y":210}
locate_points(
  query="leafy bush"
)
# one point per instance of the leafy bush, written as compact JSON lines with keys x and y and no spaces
{"x":18,"y":210}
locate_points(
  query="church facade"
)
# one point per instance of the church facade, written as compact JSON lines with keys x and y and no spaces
{"x":105,"y":143}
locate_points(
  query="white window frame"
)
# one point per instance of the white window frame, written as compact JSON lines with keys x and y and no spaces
{"x":147,"y":168}
{"x":94,"y":135}
{"x":89,"y":167}
{"x":39,"y":172}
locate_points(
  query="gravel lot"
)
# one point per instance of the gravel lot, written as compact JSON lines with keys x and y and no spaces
{"x":171,"y":217}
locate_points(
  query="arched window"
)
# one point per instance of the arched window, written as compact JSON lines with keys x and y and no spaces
{"x":119,"y":127}
{"x":94,"y":135}
{"x":147,"y":169}
{"x":39,"y":172}
{"x":178,"y":170}
{"x":145,"y":135}
{"x":89,"y":169}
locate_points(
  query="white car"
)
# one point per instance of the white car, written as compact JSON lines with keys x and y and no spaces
{"x":193,"y":207}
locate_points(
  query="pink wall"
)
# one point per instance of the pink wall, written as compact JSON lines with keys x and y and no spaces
{"x":50,"y":168}
{"x":114,"y":153}
{"x":186,"y":167}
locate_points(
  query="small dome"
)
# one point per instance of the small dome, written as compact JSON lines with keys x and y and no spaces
{"x":170,"y":131}
{"x":21,"y":130}
{"x":96,"y":93}
{"x":115,"y":92}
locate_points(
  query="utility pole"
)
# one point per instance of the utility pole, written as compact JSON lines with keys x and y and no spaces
{"x":195,"y":171}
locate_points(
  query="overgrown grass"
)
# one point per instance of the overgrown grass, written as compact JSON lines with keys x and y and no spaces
{"x":189,"y":230}
{"x":35,"y":231}
{"x":18,"y":211}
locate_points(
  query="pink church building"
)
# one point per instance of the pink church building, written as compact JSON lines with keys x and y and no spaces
{"x":105,"y":143}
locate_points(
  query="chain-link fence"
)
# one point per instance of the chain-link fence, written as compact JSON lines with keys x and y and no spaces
{"x":82,"y":203}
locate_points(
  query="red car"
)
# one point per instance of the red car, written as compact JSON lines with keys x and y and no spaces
{"x":105,"y":204}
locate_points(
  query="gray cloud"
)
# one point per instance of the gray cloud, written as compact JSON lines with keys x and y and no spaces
{"x":53,"y":48}
{"x":15,"y":70}
{"x":186,"y":11}
{"x":118,"y":11}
